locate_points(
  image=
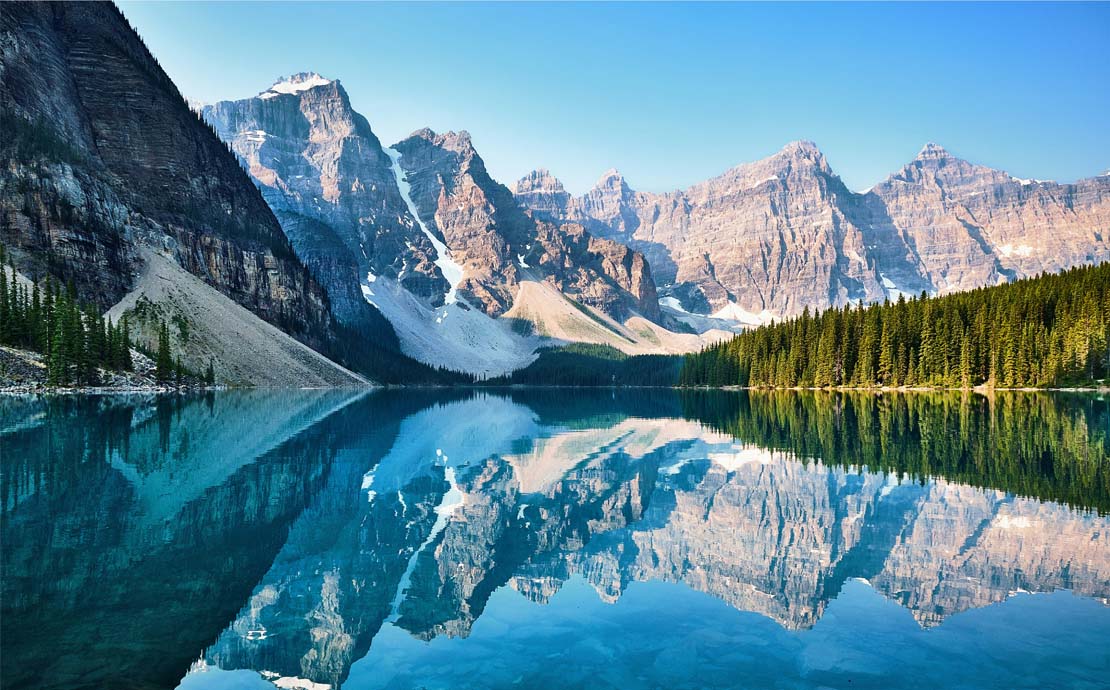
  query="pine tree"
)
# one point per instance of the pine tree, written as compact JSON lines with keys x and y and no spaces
{"x":1050,"y":330}
{"x":163,"y":362}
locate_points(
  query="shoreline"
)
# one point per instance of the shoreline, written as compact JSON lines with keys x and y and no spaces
{"x":17,"y":389}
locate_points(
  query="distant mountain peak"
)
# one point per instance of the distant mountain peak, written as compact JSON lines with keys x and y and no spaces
{"x":459,"y":142}
{"x":801,"y":146}
{"x":933,"y":151}
{"x":539,"y":180}
{"x":294,"y":84}
{"x":611,"y":179}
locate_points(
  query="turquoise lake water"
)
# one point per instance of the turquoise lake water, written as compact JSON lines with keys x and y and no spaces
{"x":555,"y":539}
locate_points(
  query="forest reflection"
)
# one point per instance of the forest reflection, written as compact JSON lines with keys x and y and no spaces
{"x":1050,"y":446}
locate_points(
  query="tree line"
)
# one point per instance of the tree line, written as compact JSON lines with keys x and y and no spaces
{"x":590,"y":365}
{"x":76,"y":342}
{"x":74,"y":339}
{"x":1052,"y":330}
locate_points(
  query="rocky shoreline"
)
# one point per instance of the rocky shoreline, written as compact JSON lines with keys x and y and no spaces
{"x":24,"y":372}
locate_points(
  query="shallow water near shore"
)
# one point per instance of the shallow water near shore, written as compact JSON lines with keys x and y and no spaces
{"x":641,"y":538}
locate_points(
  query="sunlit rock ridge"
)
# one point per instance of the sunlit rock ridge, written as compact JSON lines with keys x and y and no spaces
{"x":420,"y":233}
{"x":767,"y":239}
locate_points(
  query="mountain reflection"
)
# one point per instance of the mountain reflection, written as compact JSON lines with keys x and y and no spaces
{"x":315,"y":522}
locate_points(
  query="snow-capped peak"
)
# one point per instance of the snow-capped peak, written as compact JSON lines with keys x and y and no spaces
{"x":295,"y":84}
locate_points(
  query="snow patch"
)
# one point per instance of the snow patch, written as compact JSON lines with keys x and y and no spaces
{"x":734,"y":312}
{"x":765,"y":180}
{"x":893,"y":292}
{"x":672,"y":303}
{"x":520,"y":260}
{"x":1019,"y":250}
{"x":741,"y":456}
{"x":1007,"y":523}
{"x":455,"y":335}
{"x":452,"y":271}
{"x":367,"y":484}
{"x":295,"y":84}
{"x":1026,"y":181}
{"x":295,"y":683}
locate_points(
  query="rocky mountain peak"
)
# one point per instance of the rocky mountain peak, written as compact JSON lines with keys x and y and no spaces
{"x":800,"y":153}
{"x":936,"y":166}
{"x":539,"y":180}
{"x":459,"y":142}
{"x":802,"y":147}
{"x":933,"y":151}
{"x":612,"y":182}
{"x":542,"y":194}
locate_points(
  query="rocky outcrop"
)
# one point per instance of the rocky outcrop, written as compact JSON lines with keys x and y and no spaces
{"x":768,"y":239}
{"x":102,"y":155}
{"x":499,"y":245}
{"x":965,"y":225}
{"x":324,"y":173}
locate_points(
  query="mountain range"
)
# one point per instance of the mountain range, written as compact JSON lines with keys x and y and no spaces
{"x":765,"y":240}
{"x":275,"y":229}
{"x":465,"y":276}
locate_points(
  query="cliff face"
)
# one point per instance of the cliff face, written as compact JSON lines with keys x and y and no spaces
{"x":778,"y":235}
{"x":317,"y":161}
{"x":105,"y":156}
{"x":499,"y":245}
{"x":966,"y":225}
{"x":324,"y":173}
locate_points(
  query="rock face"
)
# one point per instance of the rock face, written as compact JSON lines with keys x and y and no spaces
{"x":102,"y":155}
{"x":323,"y":172}
{"x":768,"y":239}
{"x":420,"y":231}
{"x":498,"y":244}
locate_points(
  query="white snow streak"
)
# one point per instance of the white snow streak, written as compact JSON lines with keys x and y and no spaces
{"x":451,"y":270}
{"x":448,"y":506}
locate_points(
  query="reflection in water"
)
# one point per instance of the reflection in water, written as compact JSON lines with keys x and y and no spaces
{"x":406,"y":539}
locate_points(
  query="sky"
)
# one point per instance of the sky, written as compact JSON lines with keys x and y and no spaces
{"x":671,"y":94}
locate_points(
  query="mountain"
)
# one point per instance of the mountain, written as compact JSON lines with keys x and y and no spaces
{"x":421,"y":231}
{"x":767,"y":239}
{"x":499,"y":246}
{"x":323,"y":172}
{"x":107,"y":172}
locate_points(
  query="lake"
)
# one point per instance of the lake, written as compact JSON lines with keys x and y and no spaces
{"x":555,"y":539}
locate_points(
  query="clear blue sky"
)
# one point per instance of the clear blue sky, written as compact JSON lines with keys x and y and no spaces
{"x":674,"y":93}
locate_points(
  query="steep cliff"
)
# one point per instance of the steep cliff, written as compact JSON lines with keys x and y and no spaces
{"x":323,"y":171}
{"x":498,"y":245}
{"x":103,"y":157}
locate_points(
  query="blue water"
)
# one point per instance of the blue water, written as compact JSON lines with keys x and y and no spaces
{"x":326,"y":539}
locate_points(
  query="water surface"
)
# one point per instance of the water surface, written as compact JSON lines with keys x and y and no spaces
{"x":628,"y":539}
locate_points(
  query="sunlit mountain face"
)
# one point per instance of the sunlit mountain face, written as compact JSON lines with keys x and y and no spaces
{"x":327,"y":539}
